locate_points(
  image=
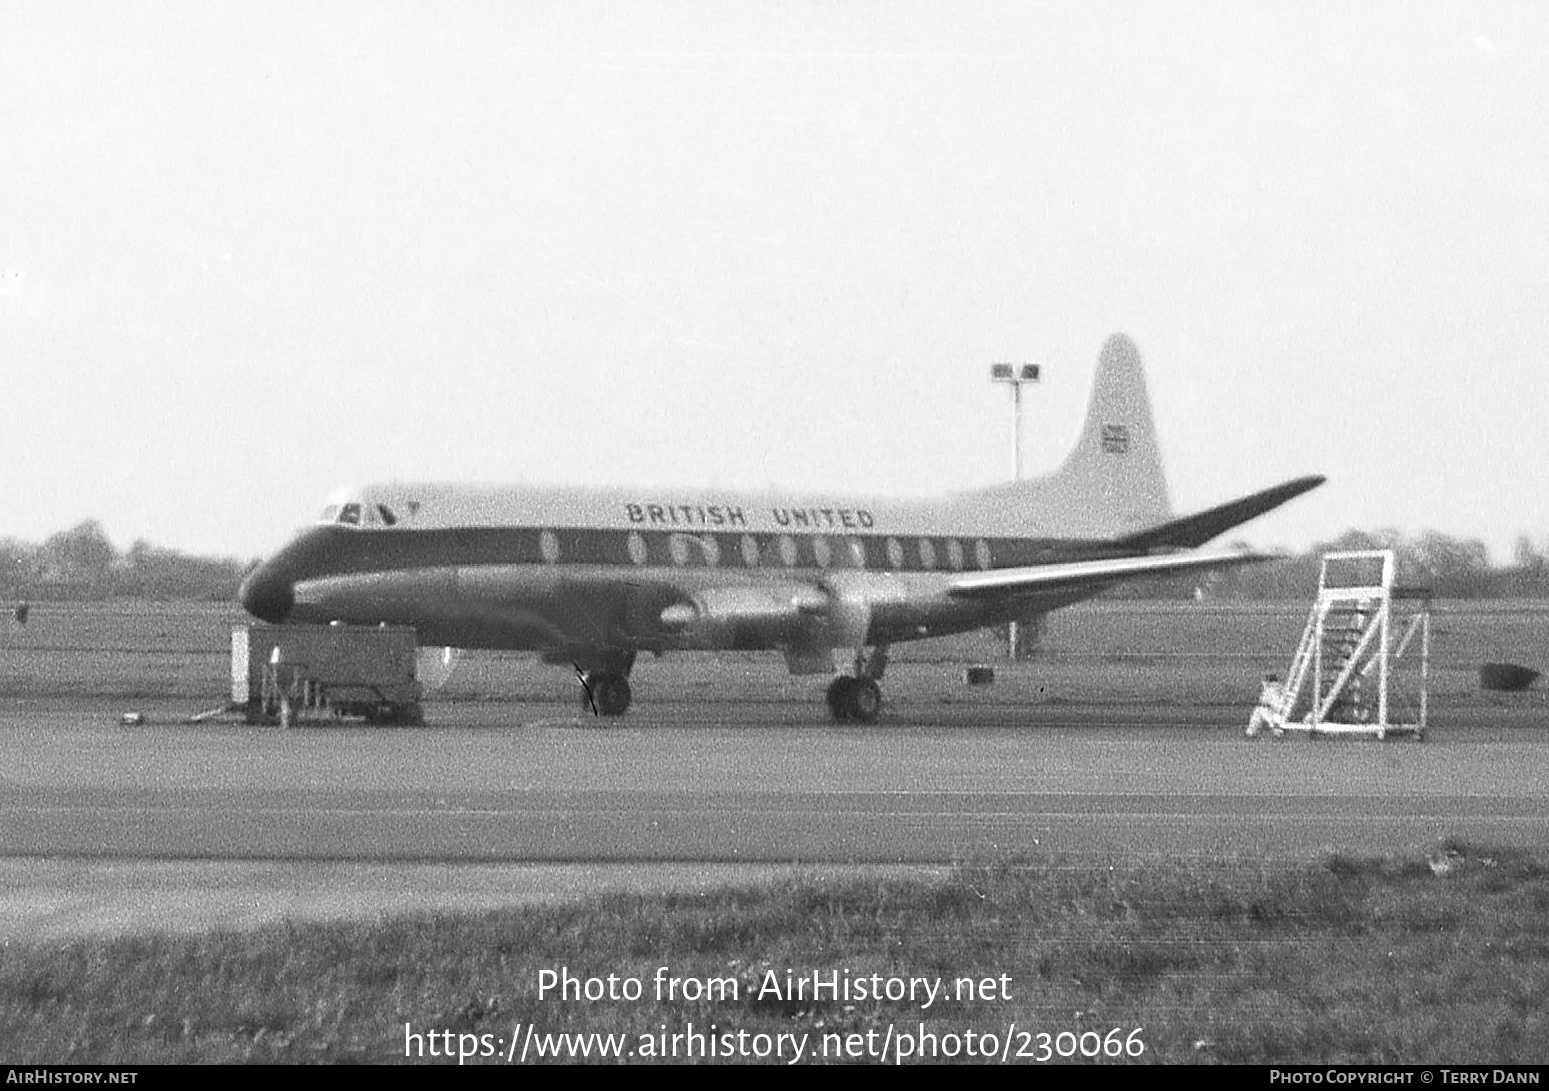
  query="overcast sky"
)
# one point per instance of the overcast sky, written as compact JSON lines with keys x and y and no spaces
{"x":249,"y":253}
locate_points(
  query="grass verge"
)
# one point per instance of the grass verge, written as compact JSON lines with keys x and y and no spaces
{"x":1440,"y":959}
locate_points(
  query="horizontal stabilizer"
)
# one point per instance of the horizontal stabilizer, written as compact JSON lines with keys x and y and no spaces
{"x":1075,"y":574}
{"x":1196,"y":530}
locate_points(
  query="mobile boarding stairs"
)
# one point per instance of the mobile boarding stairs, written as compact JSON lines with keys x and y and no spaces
{"x":1345,"y":677}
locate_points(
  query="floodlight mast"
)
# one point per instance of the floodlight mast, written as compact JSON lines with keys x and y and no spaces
{"x":1015,"y":375}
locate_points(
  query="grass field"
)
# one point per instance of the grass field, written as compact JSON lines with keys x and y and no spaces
{"x":1343,"y":961}
{"x":1175,"y":652}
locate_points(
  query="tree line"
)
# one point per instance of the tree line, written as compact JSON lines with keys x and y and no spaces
{"x":1449,"y":567}
{"x":83,"y":564}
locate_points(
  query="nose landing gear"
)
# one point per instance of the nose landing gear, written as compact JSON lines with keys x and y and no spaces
{"x":607,"y":694}
{"x":605,"y":684}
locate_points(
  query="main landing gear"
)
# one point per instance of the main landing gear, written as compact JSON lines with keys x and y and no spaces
{"x":858,"y":698}
{"x":605,"y":686}
{"x":854,"y":699}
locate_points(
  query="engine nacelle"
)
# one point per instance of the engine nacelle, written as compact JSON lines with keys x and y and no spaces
{"x":837,"y":613}
{"x":749,"y":617}
{"x":847,"y":619}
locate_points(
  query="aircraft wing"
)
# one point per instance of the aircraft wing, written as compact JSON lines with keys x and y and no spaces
{"x":1073,"y":574}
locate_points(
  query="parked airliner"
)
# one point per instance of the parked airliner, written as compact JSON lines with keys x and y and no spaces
{"x":593,"y":576}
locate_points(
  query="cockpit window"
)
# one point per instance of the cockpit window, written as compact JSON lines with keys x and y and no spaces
{"x":388,"y":518}
{"x":350,"y":514}
{"x":330,"y":513}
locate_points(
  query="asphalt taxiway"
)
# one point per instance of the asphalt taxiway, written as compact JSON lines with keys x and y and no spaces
{"x":496,"y":803}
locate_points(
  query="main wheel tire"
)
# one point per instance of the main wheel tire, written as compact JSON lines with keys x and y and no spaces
{"x":839,"y":697}
{"x":863,"y":701}
{"x":611,"y":692}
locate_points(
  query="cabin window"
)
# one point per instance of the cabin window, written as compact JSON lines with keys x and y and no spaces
{"x":677,"y":545}
{"x":548,"y":545}
{"x":927,"y":553}
{"x":856,"y":551}
{"x":982,"y":554}
{"x":711,"y":549}
{"x":788,"y":552}
{"x":821,"y":550}
{"x":750,"y":551}
{"x":955,"y":554}
{"x":895,"y":553}
{"x":637,"y":550}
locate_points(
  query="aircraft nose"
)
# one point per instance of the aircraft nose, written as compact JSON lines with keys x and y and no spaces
{"x":267,"y":595}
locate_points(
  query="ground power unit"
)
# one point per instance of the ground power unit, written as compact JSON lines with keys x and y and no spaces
{"x":290,"y":674}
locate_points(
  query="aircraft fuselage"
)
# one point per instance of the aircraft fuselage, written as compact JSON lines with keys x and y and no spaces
{"x":543,"y":588}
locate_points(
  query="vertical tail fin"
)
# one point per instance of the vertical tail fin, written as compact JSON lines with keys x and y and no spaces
{"x":1112,"y":483}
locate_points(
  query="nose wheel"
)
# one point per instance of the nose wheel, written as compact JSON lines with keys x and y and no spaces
{"x":605,"y":693}
{"x":854,"y":700}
